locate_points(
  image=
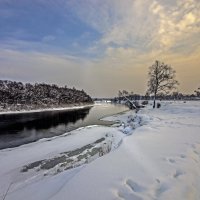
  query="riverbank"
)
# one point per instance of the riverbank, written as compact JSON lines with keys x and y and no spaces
{"x":154,"y":154}
{"x":67,"y":108}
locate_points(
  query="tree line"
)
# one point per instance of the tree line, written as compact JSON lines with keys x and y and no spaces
{"x":19,"y":96}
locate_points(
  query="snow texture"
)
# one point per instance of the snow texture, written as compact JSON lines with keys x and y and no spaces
{"x":154,"y":154}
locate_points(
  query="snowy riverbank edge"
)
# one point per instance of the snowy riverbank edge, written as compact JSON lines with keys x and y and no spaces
{"x":158,"y":160}
{"x":69,"y":108}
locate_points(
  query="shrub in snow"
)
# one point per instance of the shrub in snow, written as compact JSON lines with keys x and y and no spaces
{"x":145,"y":102}
{"x":158,"y":105}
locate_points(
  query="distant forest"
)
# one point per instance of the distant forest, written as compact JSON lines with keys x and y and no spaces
{"x":16,"y":96}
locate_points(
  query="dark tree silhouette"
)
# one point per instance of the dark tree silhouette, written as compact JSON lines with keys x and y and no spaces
{"x":161,"y":79}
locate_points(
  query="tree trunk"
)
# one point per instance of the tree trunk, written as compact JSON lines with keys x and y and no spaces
{"x":154,"y":101}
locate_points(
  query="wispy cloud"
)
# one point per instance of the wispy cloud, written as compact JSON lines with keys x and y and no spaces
{"x":141,"y":24}
{"x":178,"y":24}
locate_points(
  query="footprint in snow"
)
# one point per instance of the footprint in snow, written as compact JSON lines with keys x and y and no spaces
{"x":128,"y":196}
{"x":183,"y":156}
{"x":131,"y":190}
{"x":170,"y":160}
{"x":135,"y":187}
{"x":178,"y":173}
{"x":161,"y":188}
{"x":195,"y":150}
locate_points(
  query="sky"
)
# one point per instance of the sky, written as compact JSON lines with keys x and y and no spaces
{"x":101,"y":46}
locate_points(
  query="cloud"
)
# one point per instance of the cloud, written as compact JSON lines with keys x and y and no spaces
{"x":141,"y":24}
{"x":119,"y":22}
{"x":132,"y":34}
{"x":178,"y":23}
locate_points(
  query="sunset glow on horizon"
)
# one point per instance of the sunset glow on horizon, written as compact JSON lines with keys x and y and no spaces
{"x":101,"y":46}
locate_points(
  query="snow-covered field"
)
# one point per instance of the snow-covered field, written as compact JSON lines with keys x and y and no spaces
{"x":154,"y":154}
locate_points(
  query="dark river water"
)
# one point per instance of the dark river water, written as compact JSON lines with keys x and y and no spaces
{"x":18,"y":129}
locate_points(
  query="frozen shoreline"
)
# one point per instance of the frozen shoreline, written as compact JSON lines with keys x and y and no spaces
{"x":70,"y":108}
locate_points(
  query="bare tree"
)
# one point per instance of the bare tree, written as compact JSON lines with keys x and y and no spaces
{"x":161,"y":79}
{"x":125,"y":95}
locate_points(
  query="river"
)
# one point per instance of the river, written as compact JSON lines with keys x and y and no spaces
{"x":18,"y":129}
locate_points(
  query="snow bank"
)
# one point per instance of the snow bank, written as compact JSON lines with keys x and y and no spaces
{"x":70,"y":108}
{"x":160,"y":159}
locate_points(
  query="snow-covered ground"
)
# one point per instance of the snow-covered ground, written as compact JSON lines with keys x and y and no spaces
{"x":69,"y":108}
{"x":154,"y":154}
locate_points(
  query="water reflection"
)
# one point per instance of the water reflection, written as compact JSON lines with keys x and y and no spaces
{"x":24,"y":128}
{"x":44,"y":120}
{"x":20,"y":129}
